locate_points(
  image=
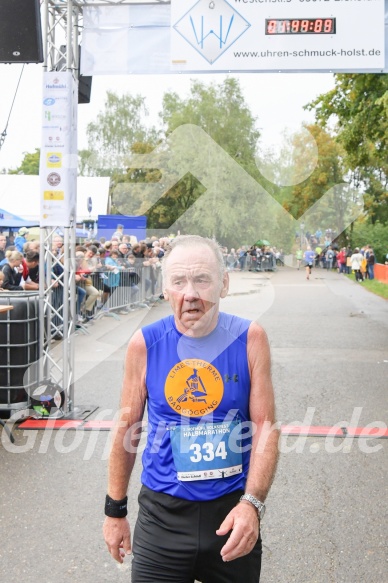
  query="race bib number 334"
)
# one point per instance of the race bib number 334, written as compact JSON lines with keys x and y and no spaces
{"x":205,"y":451}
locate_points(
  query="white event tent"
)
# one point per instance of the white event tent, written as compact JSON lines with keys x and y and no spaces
{"x":20,"y":195}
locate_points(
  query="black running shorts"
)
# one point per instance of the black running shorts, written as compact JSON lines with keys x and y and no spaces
{"x":175,"y":542}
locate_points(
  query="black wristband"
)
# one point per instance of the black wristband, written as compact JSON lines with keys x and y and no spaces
{"x":116,"y":508}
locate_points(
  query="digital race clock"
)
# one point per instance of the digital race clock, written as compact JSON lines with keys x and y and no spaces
{"x":299,"y":26}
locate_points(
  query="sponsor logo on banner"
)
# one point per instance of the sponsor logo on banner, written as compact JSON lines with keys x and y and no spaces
{"x":194,"y":388}
{"x":61,"y":98}
{"x":223,"y":23}
{"x":53,"y":179}
{"x":56,"y":84}
{"x":49,"y":115}
{"x":54,"y":141}
{"x":54,"y":195}
{"x":58,"y":179}
{"x":54,"y":160}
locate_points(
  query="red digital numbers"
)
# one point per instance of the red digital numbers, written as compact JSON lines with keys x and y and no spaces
{"x":272,"y":26}
{"x":300,"y":26}
{"x":328,"y":25}
{"x":304,"y":26}
{"x":285,"y":28}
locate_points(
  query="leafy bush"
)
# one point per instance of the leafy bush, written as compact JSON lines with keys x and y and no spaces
{"x":364,"y":233}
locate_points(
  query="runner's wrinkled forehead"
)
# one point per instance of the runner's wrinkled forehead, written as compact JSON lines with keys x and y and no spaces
{"x":190,"y":262}
{"x":208,"y":247}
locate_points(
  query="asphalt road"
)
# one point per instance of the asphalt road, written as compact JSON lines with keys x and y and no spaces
{"x":326,"y":519}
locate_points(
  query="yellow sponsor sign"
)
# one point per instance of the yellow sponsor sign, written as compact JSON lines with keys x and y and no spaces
{"x":54,"y":160}
{"x":54,"y":195}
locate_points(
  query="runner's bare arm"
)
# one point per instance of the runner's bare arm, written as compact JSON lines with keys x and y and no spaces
{"x":265,"y":439}
{"x":243,"y":519}
{"x":124,"y":443}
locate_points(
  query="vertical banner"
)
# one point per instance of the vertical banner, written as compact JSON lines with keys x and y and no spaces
{"x":58,"y":155}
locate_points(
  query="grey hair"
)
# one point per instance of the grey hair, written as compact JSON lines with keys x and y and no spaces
{"x":194,"y":241}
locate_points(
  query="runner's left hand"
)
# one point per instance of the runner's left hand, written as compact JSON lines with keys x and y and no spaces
{"x":244,"y":523}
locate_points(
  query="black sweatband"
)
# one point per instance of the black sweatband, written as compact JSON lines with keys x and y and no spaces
{"x":116,"y":508}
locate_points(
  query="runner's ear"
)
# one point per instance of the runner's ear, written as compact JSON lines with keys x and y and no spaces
{"x":225,"y":285}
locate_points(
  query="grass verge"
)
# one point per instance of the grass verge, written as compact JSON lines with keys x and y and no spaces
{"x":377,"y":287}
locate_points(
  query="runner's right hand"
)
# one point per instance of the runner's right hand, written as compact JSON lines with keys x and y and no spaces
{"x":117,"y":537}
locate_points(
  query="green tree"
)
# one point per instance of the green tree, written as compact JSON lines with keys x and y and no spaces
{"x":366,"y":233}
{"x":29,"y":164}
{"x":111,"y":136}
{"x":307,"y":176}
{"x":232,"y":206}
{"x":329,"y":172}
{"x":128,"y":193}
{"x":358,"y":106}
{"x":292,"y":163}
{"x":221,"y":111}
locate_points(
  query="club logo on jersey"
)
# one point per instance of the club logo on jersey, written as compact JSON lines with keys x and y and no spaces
{"x":194,"y":388}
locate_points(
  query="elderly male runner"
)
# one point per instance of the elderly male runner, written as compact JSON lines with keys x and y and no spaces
{"x":212,"y":446}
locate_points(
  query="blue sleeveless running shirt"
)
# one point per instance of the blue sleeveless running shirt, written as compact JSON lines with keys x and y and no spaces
{"x":199,"y":431}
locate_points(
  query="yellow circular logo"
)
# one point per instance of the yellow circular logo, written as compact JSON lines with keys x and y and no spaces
{"x":194,"y":388}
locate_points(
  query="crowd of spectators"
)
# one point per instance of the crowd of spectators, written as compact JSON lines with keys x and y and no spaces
{"x":101,"y":268}
{"x":19,"y":270}
{"x":360,"y":261}
{"x":254,"y":258}
{"x":104,"y":267}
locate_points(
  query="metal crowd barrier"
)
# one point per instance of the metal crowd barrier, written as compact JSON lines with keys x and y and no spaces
{"x":136,"y":287}
{"x":267,"y":263}
{"x":263,"y":263}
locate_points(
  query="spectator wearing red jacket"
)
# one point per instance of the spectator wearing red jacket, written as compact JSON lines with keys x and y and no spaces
{"x":341,"y":260}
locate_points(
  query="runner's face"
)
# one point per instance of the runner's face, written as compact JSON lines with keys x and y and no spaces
{"x":193,"y":288}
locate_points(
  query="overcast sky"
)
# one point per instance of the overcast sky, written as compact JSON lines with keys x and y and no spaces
{"x":276,"y":99}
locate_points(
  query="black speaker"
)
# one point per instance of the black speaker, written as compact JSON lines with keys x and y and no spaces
{"x":84,"y":82}
{"x":20,"y":32}
{"x":84,"y":88}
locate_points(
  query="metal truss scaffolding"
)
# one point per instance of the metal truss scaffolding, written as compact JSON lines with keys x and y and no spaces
{"x":62,"y":22}
{"x":61,"y":25}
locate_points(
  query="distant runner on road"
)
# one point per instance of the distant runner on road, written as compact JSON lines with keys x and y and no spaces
{"x":309,"y":257}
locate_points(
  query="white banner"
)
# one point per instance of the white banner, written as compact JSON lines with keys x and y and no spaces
{"x":126,"y":39}
{"x":247,"y":35}
{"x":207,"y":36}
{"x":58,"y":156}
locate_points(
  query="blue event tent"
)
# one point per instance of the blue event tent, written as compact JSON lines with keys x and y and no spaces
{"x":10,"y":221}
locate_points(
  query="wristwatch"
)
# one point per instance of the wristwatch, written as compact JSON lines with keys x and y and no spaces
{"x":260,"y":506}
